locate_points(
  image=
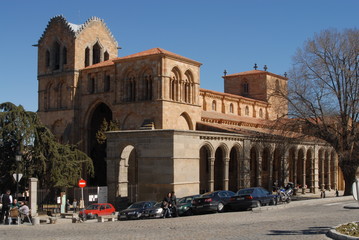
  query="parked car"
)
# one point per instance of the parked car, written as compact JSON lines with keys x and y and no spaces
{"x":135,"y":210}
{"x":97,"y":209}
{"x":212,"y":201}
{"x":249,"y":198}
{"x":184,"y":205}
{"x":154,"y":212}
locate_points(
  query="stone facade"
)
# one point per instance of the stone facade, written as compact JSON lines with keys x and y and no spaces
{"x":174,"y":135}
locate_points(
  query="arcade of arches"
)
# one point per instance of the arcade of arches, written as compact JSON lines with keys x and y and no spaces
{"x":212,"y":161}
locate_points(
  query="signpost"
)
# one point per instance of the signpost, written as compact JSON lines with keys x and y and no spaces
{"x":82,"y":184}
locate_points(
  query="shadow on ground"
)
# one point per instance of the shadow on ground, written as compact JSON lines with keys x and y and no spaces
{"x":309,"y":231}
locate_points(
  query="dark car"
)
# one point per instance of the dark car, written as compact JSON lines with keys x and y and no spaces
{"x":154,"y":212}
{"x":212,"y":201}
{"x":184,"y":205}
{"x":249,"y":198}
{"x":135,"y":210}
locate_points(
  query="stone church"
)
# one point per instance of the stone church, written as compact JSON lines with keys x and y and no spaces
{"x":174,"y":135}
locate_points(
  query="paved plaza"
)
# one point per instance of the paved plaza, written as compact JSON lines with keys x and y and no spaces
{"x":307,"y":219}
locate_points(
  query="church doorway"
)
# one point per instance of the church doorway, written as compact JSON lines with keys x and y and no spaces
{"x":97,"y":151}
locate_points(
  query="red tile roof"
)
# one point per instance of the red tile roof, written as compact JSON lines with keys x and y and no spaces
{"x":156,"y":51}
{"x":254,"y":72}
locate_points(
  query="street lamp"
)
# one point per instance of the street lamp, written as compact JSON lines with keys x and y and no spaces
{"x":18,"y":159}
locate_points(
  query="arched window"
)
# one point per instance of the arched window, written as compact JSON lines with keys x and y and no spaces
{"x":231,"y":108}
{"x":106,"y":56}
{"x":245,"y":88}
{"x":246,"y":111}
{"x":188,"y":87}
{"x":64,"y":56}
{"x":175,"y":91}
{"x":87,"y":57}
{"x":148,"y":87}
{"x":91,"y":84}
{"x":56,"y":50}
{"x":47,"y":58}
{"x":214,"y":105}
{"x":260,"y":113}
{"x":107,"y":85}
{"x":96,"y":53}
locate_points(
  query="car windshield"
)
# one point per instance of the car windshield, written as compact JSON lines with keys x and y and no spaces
{"x":186,"y":200}
{"x":209,"y":194}
{"x":92,"y":207}
{"x":245,"y":191}
{"x":136,"y":205}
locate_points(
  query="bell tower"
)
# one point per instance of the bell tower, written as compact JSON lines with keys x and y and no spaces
{"x":63,"y":50}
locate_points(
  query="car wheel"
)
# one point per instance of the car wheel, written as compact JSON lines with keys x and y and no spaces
{"x":220,"y":207}
{"x":258,"y":204}
{"x":189,"y":212}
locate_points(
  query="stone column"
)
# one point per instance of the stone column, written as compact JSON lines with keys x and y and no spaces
{"x":328,"y":174}
{"x":33,"y":196}
{"x":246,"y":163}
{"x":226,"y":173}
{"x":322,"y":183}
{"x":295,"y":167}
{"x":259,"y":170}
{"x":316,"y":172}
{"x":304,"y":188}
{"x":112,"y":179}
{"x":312,"y":174}
{"x":270,"y":160}
{"x":211,"y":174}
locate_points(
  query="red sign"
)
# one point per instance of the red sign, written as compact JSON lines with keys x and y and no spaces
{"x":82,"y":183}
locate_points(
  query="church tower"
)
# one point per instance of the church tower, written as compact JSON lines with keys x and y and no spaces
{"x":63,"y":50}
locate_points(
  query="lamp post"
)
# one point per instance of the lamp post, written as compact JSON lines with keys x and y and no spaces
{"x":18,"y":158}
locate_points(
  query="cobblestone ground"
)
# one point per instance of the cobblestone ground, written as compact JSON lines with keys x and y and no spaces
{"x":298,"y":220}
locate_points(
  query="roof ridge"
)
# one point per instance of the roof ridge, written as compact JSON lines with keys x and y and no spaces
{"x":80,"y":28}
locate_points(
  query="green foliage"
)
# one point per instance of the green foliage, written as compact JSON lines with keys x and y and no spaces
{"x":106,"y":126}
{"x":54,"y":164}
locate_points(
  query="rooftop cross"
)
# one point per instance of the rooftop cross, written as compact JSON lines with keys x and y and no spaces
{"x":255,"y":66}
{"x":265,"y":68}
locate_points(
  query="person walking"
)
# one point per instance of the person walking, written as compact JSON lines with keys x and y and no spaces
{"x":166,"y":205}
{"x":6,"y":200}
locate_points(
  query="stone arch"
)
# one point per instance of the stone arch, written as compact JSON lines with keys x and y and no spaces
{"x":98,"y":113}
{"x":206,"y":153}
{"x":254,"y":166}
{"x":130,"y":170}
{"x":62,"y":95}
{"x":96,"y":53}
{"x":292,"y":160}
{"x":221,"y":154}
{"x":185,"y":122}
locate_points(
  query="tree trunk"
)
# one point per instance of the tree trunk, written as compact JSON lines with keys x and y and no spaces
{"x":349,"y":173}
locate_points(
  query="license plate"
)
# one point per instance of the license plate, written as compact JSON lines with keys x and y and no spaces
{"x":240,"y":198}
{"x":200,"y":206}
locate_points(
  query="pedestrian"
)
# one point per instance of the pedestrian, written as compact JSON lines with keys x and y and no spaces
{"x":74,"y":205}
{"x":68,"y":205}
{"x":6,"y":200}
{"x":24,"y":211}
{"x":174,"y":204}
{"x":166,"y":205}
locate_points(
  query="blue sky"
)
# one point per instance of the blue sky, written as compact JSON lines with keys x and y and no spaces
{"x":226,"y":34}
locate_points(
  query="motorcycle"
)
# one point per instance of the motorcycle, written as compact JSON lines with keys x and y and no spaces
{"x":285,"y":194}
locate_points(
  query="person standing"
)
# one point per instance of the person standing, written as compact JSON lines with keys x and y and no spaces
{"x":74,"y":205}
{"x":166,"y":205}
{"x":68,"y":205}
{"x":174,"y":204}
{"x":6,"y":200}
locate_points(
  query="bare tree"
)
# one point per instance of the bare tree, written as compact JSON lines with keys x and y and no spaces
{"x":323,"y":94}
